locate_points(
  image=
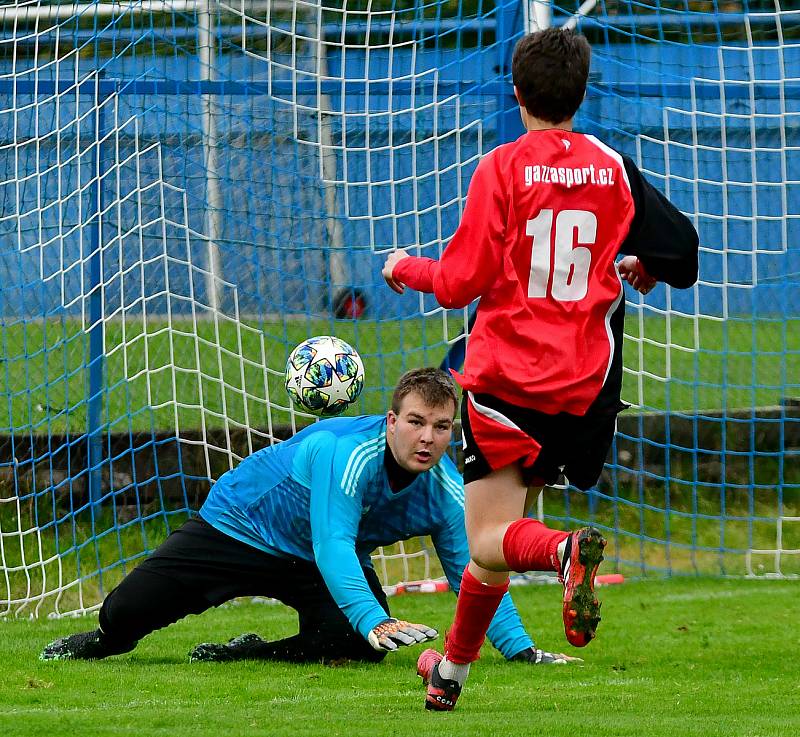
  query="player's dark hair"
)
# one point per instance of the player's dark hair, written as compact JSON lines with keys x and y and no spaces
{"x":550,"y":69}
{"x":433,"y":385}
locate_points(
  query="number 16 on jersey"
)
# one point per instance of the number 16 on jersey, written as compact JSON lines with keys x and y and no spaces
{"x":570,"y":272}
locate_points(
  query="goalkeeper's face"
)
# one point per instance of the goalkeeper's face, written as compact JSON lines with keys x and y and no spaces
{"x":418,"y":435}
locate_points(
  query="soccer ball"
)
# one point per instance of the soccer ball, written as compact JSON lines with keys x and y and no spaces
{"x":324,"y":375}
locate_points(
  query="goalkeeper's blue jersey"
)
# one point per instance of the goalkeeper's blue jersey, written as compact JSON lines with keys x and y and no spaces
{"x":324,"y":496}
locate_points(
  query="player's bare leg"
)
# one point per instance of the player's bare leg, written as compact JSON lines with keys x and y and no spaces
{"x":501,"y":540}
{"x":492,"y":503}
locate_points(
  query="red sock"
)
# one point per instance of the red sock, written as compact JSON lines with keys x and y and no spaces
{"x":530,"y":546}
{"x":477,"y":603}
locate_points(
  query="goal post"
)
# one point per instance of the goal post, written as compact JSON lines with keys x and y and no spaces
{"x":185,"y":187}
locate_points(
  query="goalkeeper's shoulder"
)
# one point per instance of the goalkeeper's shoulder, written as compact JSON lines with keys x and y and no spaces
{"x":343,"y":435}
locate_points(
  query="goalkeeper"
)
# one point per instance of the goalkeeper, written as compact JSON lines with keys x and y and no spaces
{"x":297,"y":522}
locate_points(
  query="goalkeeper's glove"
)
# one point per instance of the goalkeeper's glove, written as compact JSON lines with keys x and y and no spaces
{"x":391,"y":633}
{"x":535,"y":656}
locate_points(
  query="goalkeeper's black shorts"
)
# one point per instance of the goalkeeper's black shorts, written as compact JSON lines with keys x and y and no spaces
{"x":198,"y":567}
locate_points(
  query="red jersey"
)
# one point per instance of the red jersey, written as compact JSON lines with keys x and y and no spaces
{"x":545,"y":219}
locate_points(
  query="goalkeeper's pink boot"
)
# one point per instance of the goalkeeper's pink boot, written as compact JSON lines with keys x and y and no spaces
{"x":442,"y":693}
{"x":581,"y":611}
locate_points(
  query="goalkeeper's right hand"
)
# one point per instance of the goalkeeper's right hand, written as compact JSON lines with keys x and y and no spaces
{"x":391,"y":633}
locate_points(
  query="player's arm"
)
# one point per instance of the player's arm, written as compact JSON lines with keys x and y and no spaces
{"x":468,"y":266}
{"x":335,"y":516}
{"x":661,"y":237}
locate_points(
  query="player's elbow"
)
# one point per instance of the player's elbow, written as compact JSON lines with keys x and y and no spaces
{"x":330,"y":550}
{"x":324,"y":551}
{"x":687,"y":271}
{"x":454,"y":291}
{"x":679,"y":266}
{"x":455,"y":298}
{"x":685,"y":276}
{"x":685,"y":281}
{"x":454,"y":303}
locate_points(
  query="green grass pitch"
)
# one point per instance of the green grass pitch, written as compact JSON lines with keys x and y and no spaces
{"x":685,"y":657}
{"x":682,"y":657}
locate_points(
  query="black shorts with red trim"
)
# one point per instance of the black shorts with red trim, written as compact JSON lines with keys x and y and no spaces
{"x":497,"y":434}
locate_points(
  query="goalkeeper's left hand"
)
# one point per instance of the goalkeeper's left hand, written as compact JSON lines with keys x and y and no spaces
{"x":535,"y":656}
{"x":391,"y":633}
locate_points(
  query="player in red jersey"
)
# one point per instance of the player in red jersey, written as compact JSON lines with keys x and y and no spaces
{"x":547,"y":217}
